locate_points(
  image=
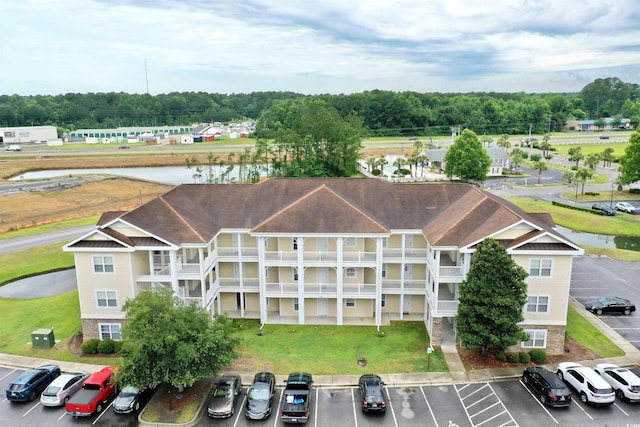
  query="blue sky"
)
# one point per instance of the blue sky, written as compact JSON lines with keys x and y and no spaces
{"x":310,"y":46}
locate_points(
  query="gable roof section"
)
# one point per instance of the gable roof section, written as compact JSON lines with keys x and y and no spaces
{"x":337,"y":216}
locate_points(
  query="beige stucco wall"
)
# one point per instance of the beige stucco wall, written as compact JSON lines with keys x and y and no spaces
{"x":120,"y":281}
{"x":392,"y":304}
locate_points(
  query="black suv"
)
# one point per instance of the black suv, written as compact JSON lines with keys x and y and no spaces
{"x":372,"y":394}
{"x":608,"y":210}
{"x":547,"y":386}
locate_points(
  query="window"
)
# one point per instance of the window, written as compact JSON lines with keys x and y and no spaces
{"x":350,"y":272}
{"x":350,"y":242}
{"x":107,"y":298}
{"x":385,"y":242}
{"x":540,"y":268}
{"x":350,"y":302}
{"x":295,"y":274}
{"x":102,"y":264}
{"x":537,"y":304}
{"x":266,"y":272}
{"x":295,"y":243}
{"x":110,"y":330}
{"x":296,"y":305}
{"x":384,"y":271}
{"x":383,"y":300}
{"x":537,"y":338}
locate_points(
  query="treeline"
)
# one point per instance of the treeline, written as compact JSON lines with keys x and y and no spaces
{"x":382,"y":112}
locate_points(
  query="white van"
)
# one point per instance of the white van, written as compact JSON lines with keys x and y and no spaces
{"x":13,"y":147}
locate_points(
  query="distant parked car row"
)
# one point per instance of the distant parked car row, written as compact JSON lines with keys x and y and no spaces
{"x":608,"y":210}
{"x":628,"y":208}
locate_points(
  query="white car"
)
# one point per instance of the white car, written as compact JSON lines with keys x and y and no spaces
{"x":13,"y":147}
{"x":625,"y":383}
{"x":625,"y":207}
{"x":62,"y":387}
{"x":591,"y":387}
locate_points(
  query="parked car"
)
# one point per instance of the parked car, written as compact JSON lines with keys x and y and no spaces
{"x":372,"y":395}
{"x":546,"y":386}
{"x":260,"y":396}
{"x":625,"y":383}
{"x":625,"y":207}
{"x":591,"y":387}
{"x":604,"y":136}
{"x":130,"y":399}
{"x":62,"y":387}
{"x":608,"y":210}
{"x":225,"y":396}
{"x":124,"y":146}
{"x":610,"y":305}
{"x":13,"y":147}
{"x":29,"y":384}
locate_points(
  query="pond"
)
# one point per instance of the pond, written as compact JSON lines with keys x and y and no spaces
{"x":631,"y":243}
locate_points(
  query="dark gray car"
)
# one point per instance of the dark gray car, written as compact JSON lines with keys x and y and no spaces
{"x":260,"y":396}
{"x":225,"y":396}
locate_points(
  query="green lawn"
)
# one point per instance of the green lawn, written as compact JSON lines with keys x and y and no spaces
{"x":34,"y":261}
{"x":583,"y":332}
{"x":332,"y":350}
{"x":54,"y":226}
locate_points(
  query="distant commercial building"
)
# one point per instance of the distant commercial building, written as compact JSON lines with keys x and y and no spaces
{"x":18,"y":135}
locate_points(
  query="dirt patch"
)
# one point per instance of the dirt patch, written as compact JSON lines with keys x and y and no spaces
{"x":472,"y":360}
{"x":27,"y":209}
{"x":189,"y":399}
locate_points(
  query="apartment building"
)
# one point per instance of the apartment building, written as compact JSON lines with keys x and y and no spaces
{"x":320,"y":251}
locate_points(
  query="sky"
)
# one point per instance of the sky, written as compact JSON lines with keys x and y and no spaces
{"x":313,"y":47}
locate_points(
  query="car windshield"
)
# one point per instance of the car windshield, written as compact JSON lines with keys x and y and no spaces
{"x":259,"y":394}
{"x":603,"y":301}
{"x":223,"y":392}
{"x":14,"y":387}
{"x":51,"y":390}
{"x":129,"y":391}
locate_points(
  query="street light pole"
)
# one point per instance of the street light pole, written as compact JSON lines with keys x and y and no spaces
{"x":611,"y":203}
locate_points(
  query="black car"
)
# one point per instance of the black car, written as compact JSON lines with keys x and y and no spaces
{"x":260,"y":396}
{"x":29,"y":384}
{"x":225,"y":396}
{"x":547,"y":386}
{"x":610,"y":305}
{"x":131,"y":399}
{"x":608,"y":210}
{"x":372,"y":394}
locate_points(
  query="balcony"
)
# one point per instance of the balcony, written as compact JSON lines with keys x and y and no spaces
{"x":395,"y":285}
{"x":230,"y":252}
{"x":447,"y":304}
{"x":411,"y":255}
{"x":228,"y":284}
{"x":358,"y":290}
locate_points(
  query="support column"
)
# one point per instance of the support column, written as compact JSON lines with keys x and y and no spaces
{"x":300,"y":280}
{"x":339,"y":280}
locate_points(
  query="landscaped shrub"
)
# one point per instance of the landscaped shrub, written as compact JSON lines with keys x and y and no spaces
{"x":90,"y":346}
{"x":634,"y":190}
{"x":106,"y":346}
{"x":591,"y":193}
{"x":524,"y":357}
{"x":538,"y":356}
{"x":513,"y":358}
{"x":376,"y":172}
{"x":501,"y":357}
{"x":117,"y":346}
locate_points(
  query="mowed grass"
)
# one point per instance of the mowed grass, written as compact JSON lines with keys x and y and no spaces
{"x":335,"y":350}
{"x":34,"y":261}
{"x":620,"y":225}
{"x":581,"y":330}
{"x":53,"y":226}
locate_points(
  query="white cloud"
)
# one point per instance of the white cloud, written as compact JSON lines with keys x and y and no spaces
{"x":314,"y":46}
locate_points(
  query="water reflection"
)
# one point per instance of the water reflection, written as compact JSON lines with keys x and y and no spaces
{"x":631,"y":243}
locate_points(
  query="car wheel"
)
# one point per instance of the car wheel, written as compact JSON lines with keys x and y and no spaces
{"x":32,"y":396}
{"x":99,"y":408}
{"x":627,"y":311}
{"x":543,"y":399}
{"x":136,"y":407}
{"x":560,"y":374}
{"x":620,"y":394}
{"x":66,"y":399}
{"x":525,"y":380}
{"x":583,"y":397}
{"x":599,"y":311}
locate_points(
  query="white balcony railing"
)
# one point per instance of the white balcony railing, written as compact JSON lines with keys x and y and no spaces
{"x":451,"y":271}
{"x":447,"y":307}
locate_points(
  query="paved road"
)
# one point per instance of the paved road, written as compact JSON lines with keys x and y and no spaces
{"x":42,"y":285}
{"x":26,"y":242}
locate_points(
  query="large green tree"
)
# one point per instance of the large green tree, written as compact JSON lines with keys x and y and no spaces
{"x":491,"y":300}
{"x":166,"y":341}
{"x":467,"y":159}
{"x":630,"y":161}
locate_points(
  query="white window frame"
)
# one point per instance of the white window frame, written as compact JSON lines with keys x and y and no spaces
{"x":383,"y":271}
{"x":350,"y":302}
{"x":350,"y":242}
{"x":294,"y":273}
{"x":100,"y":264}
{"x":350,"y":272}
{"x":383,"y":300}
{"x":106,"y":298}
{"x":296,"y":305}
{"x":537,"y":271}
{"x":537,"y":303}
{"x":111,"y":332}
{"x":536,"y":335}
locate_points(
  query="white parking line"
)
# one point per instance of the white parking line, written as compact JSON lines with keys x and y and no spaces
{"x":511,"y":422}
{"x":355,"y":413}
{"x":275,"y":419}
{"x":7,"y":375}
{"x":32,"y":408}
{"x":395,"y":420}
{"x":575,"y":403}
{"x":429,"y":406}
{"x":240,"y":411}
{"x":103,"y":412}
{"x":539,"y":403}
{"x":621,"y":410}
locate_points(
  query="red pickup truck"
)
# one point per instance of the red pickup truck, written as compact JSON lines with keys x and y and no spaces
{"x":95,"y":393}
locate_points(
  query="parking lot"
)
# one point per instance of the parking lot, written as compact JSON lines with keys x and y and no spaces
{"x":506,"y":403}
{"x":599,"y":277}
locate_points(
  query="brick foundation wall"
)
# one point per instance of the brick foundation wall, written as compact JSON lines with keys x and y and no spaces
{"x":91,"y":329}
{"x":555,"y":339}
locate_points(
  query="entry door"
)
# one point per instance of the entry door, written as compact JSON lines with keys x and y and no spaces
{"x":323,"y":245}
{"x":406,"y":304}
{"x":407,"y":272}
{"x":323,"y":277}
{"x":323,"y":307}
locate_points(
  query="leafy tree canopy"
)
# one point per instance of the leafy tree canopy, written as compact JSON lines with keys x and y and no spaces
{"x":467,"y":159}
{"x":165,"y":341}
{"x":491,"y":300}
{"x":630,"y":162}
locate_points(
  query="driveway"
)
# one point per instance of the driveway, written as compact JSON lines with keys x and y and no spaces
{"x":43,"y":285}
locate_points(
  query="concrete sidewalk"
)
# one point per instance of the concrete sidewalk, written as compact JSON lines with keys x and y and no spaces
{"x":457,"y":373}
